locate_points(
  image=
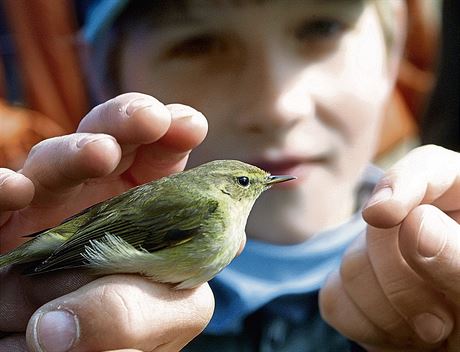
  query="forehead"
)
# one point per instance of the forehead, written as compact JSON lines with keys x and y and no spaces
{"x":174,"y":12}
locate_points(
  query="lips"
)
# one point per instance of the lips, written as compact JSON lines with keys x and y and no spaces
{"x":298,"y":167}
{"x":278,"y":167}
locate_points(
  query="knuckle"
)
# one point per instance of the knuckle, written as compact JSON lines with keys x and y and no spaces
{"x":124,"y":314}
{"x":400,"y":292}
{"x":429,"y":148}
{"x":446,"y":270}
{"x":51,"y":146}
{"x":348,"y":270}
{"x":202,"y":307}
{"x":37,"y":148}
{"x":6,"y":175}
{"x":328,"y":301}
{"x":355,"y":263}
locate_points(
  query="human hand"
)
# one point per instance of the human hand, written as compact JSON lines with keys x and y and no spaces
{"x":126,"y":141}
{"x":398,"y":288}
{"x":110,"y":313}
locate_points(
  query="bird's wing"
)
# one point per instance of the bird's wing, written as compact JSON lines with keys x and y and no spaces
{"x":152,"y":226}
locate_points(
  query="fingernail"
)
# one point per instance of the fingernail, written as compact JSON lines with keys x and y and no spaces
{"x":95,"y":138}
{"x":138,"y":104}
{"x":431,"y":236}
{"x":379,"y":196}
{"x":9,"y":177}
{"x":56,"y":331}
{"x":179,"y":111}
{"x":429,"y":327}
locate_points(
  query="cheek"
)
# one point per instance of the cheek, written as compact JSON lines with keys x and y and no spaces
{"x":354,"y":84}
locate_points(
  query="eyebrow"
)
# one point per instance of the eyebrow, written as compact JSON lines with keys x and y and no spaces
{"x":159,"y":14}
{"x":173,"y":13}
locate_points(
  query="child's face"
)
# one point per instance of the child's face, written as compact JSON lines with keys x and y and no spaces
{"x":296,"y":87}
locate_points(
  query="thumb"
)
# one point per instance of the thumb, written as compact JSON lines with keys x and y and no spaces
{"x":121,"y":312}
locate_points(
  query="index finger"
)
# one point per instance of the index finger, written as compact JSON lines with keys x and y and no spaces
{"x":427,"y":175}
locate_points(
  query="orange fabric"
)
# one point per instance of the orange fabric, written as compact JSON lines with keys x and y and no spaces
{"x":417,"y":72}
{"x":398,"y":124}
{"x":416,"y":75}
{"x":44,"y":33}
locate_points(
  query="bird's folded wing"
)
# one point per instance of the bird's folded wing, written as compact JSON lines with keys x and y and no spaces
{"x":153,"y":226}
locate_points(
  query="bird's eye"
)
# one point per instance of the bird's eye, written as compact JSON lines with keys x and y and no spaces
{"x":243,"y":181}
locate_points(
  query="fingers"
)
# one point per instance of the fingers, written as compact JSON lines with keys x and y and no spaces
{"x":16,"y":190}
{"x":121,"y":312}
{"x":428,"y":174}
{"x":132,"y":118}
{"x":188,"y":129}
{"x":368,"y":311}
{"x":340,"y":311}
{"x":155,"y":138}
{"x":58,"y":168}
{"x":378,"y":300}
{"x":430,"y":242}
{"x":423,"y":307}
{"x":121,"y":125}
{"x":59,"y":165}
{"x":132,"y":135}
{"x":169,"y":154}
{"x":110,"y":313}
{"x":362,"y":287}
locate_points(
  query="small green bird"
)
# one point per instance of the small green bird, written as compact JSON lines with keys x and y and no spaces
{"x":181,"y":229}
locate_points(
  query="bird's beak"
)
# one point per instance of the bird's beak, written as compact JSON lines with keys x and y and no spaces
{"x":278,"y":179}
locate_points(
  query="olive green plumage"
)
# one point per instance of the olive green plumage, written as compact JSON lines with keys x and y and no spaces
{"x":182,"y":229}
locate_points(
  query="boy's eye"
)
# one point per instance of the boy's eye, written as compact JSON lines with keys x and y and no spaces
{"x":319,"y":29}
{"x":196,"y":46}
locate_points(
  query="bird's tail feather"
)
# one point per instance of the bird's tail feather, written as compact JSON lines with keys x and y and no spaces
{"x":19,"y":255}
{"x":13,"y":257}
{"x":37,"y":248}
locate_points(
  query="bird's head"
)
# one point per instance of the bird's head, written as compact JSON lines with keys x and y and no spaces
{"x":238,"y":180}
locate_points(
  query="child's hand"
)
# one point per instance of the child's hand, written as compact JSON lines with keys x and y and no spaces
{"x":109,"y":313}
{"x":126,"y":141}
{"x":399,"y":286}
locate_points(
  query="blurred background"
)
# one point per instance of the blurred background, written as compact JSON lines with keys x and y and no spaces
{"x":43,"y":92}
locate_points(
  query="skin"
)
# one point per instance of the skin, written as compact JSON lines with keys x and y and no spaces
{"x":289,"y":99}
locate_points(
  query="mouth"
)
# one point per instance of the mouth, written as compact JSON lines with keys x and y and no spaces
{"x":297,"y":167}
{"x":287,"y":166}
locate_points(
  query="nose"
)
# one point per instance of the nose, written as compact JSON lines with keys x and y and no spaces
{"x":276,"y":95}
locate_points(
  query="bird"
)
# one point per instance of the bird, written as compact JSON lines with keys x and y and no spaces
{"x":182,"y":229}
